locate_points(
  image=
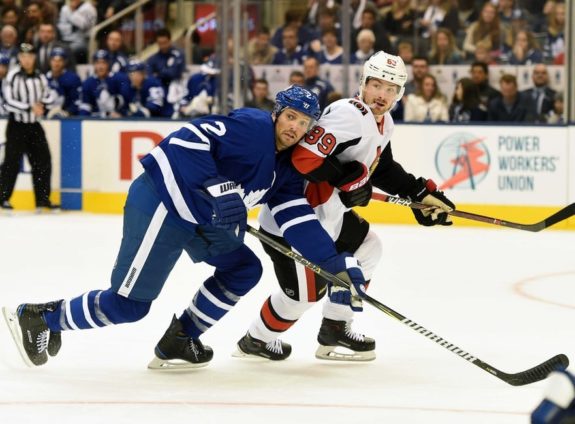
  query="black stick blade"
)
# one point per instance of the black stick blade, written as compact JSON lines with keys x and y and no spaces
{"x":563,"y":214}
{"x":538,"y":373}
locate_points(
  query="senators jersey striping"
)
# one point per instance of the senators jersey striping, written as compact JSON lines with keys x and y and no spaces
{"x":347,"y":129}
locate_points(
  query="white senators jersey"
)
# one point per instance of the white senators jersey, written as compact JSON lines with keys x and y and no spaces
{"x":348,"y":130}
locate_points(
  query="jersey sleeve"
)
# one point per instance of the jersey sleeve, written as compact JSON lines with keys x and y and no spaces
{"x":299,"y":224}
{"x":330,"y":137}
{"x":179,"y":166}
{"x":390,"y":176}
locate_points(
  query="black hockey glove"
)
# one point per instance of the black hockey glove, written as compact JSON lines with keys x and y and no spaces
{"x":427,"y":193}
{"x":355,"y":188}
{"x":346,"y":267}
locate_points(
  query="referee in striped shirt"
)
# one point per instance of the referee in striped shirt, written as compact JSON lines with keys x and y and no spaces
{"x":26,"y":93}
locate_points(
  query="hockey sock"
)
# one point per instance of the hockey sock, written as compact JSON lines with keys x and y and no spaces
{"x":209,"y":305}
{"x":97,"y":308}
{"x":277,"y":315}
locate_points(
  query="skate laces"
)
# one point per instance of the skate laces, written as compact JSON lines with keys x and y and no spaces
{"x":353,"y":335}
{"x":42,"y":341}
{"x":275,"y":346}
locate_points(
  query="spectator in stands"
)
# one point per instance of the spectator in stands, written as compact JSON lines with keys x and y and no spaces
{"x":419,"y":69}
{"x":555,"y":116}
{"x":483,"y":54}
{"x":512,"y":17}
{"x":486,"y":29}
{"x":168,"y":64}
{"x":331,"y":52}
{"x":400,"y":19}
{"x":4,"y":66}
{"x":77,"y":18}
{"x":439,"y":14}
{"x":10,"y":16}
{"x":555,"y":40}
{"x":369,"y":20}
{"x":30,"y":22}
{"x":405,"y":51}
{"x":466,"y":105}
{"x":146,"y":97}
{"x":104,"y":94}
{"x":48,"y":11}
{"x":291,"y":53}
{"x":115,"y":47}
{"x":511,"y":106}
{"x":320,"y":87}
{"x":201,"y":91}
{"x":46,"y":43}
{"x":260,"y":49}
{"x":428,"y":104}
{"x":525,"y":49}
{"x":294,"y":19}
{"x":443,"y":49}
{"x":365,"y":43}
{"x":9,"y":39}
{"x":540,"y":94}
{"x":260,"y":96}
{"x":328,"y":20}
{"x":296,"y":78}
{"x":65,"y":84}
{"x":480,"y":77}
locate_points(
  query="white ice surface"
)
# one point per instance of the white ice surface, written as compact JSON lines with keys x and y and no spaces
{"x":505,"y":296}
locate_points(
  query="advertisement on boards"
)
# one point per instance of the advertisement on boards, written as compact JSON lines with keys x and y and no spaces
{"x":518,"y":165}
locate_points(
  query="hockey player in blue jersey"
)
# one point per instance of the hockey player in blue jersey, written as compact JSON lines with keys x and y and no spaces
{"x":146,"y":97}
{"x":65,"y":83}
{"x":192,"y":197}
{"x":168,"y":64}
{"x":200,"y":91}
{"x":104,"y":94}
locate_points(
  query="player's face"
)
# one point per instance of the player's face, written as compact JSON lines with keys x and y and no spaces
{"x":101,"y":68}
{"x":291,"y":126}
{"x":380,"y":95}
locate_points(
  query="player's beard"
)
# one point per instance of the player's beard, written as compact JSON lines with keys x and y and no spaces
{"x":379,"y":110}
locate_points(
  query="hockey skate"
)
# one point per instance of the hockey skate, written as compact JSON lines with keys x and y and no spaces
{"x":338,"y":334}
{"x":176,"y":351}
{"x":32,"y":336}
{"x":248,"y":347}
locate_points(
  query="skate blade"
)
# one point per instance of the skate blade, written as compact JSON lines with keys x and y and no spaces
{"x":158,"y":364}
{"x":243,"y":355}
{"x":14,"y":326}
{"x":338,"y":353}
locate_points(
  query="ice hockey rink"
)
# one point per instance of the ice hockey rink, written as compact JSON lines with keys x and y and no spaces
{"x":505,"y":296}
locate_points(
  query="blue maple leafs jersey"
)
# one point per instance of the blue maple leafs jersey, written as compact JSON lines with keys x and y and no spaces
{"x":241,"y":148}
{"x":101,"y":97}
{"x":67,"y":88}
{"x":148,"y":100}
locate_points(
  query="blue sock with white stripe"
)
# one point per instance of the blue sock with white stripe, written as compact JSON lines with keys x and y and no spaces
{"x":97,"y":308}
{"x":211,"y":302}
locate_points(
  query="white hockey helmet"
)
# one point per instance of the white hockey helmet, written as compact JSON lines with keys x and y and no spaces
{"x":386,"y":67}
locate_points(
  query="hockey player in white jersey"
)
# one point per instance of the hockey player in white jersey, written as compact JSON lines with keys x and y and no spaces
{"x":342,"y":157}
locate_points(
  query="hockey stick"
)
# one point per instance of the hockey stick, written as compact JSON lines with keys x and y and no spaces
{"x":566,"y":212}
{"x":531,"y":375}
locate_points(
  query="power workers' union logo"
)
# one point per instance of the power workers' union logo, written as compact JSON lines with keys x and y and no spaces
{"x":462,"y":160}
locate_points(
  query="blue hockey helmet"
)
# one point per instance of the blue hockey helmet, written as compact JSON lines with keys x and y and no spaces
{"x":59,"y":52}
{"x":101,"y":55}
{"x":300,"y":99}
{"x":135,"y":65}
